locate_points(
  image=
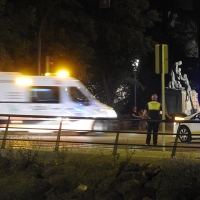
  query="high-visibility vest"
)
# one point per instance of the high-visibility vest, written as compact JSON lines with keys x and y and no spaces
{"x":154,"y":105}
{"x":154,"y":108}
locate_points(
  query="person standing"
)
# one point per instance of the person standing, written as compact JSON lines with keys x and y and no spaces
{"x":153,"y":109}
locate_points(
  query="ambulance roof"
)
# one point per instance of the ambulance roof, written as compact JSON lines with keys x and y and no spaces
{"x":39,"y":80}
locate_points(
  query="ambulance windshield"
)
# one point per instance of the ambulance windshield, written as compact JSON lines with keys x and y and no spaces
{"x":77,"y":96}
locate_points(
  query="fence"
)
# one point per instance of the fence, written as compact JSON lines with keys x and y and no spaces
{"x":119,"y":126}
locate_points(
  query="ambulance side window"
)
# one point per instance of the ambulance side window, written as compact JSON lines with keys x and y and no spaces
{"x":44,"y":94}
{"x":77,"y":96}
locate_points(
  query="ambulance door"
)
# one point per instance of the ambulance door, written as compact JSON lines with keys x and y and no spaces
{"x":77,"y":103}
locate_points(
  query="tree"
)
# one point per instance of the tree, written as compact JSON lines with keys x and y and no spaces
{"x":5,"y":59}
{"x":121,"y":38}
{"x":65,"y":35}
{"x":15,"y":35}
{"x":96,"y":44}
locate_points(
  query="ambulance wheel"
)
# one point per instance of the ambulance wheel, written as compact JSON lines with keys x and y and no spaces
{"x":100,"y":126}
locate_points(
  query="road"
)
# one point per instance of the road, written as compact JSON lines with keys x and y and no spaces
{"x":127,"y":140}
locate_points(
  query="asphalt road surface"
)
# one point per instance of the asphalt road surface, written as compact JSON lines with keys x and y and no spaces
{"x":134,"y":139}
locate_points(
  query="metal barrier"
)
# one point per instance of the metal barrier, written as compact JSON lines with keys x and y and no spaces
{"x":118,"y":127}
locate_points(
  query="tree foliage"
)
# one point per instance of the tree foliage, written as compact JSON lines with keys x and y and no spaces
{"x":97,"y":45}
{"x":121,"y":38}
{"x":16,"y":34}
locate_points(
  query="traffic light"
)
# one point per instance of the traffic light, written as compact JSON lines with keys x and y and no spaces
{"x":49,"y":62}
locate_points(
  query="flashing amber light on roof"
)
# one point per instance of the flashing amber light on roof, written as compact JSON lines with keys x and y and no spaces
{"x":47,"y":74}
{"x":25,"y":81}
{"x":60,"y":74}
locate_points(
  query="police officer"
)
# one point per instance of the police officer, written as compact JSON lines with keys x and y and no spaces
{"x":153,"y":109}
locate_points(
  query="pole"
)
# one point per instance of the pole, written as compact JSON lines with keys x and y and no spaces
{"x":135,"y":64}
{"x":163,"y":98}
{"x":135,"y":88}
{"x":39,"y":50}
{"x":40,"y":34}
{"x":47,"y":64}
{"x":3,"y":144}
{"x":58,"y":136}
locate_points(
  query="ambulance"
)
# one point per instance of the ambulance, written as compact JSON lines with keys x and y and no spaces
{"x":55,"y":97}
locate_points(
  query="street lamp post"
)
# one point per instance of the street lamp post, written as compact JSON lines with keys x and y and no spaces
{"x":135,"y":65}
{"x":40,"y":33}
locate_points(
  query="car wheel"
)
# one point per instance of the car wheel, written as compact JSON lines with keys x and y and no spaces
{"x":184,"y":134}
{"x":100,"y":126}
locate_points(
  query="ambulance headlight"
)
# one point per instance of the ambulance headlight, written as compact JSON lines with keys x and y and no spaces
{"x":110,"y":113}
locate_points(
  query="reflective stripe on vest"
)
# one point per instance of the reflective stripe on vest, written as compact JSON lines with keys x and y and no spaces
{"x":154,"y":105}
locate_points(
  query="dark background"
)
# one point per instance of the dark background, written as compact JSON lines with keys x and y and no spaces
{"x":179,"y":28}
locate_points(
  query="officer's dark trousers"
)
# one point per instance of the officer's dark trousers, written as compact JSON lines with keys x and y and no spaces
{"x":152,"y":126}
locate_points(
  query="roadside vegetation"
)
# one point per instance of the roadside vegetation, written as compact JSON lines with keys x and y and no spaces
{"x":97,"y":174}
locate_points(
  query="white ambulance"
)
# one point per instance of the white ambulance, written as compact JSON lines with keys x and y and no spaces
{"x":59,"y":97}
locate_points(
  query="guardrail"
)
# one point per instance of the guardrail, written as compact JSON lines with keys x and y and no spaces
{"x":117,"y":126}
